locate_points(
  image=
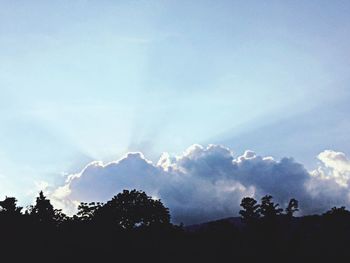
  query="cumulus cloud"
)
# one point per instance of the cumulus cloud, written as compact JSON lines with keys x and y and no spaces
{"x":336,"y":166}
{"x":206,"y":183}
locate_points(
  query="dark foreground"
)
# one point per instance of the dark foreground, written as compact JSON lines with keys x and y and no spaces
{"x":316,"y":239}
{"x":133,"y":227}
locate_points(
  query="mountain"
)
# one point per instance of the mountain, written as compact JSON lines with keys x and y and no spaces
{"x":234,"y":221}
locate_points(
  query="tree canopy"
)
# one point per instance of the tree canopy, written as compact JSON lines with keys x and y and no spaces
{"x":9,"y":206}
{"x":134,"y":208}
{"x":250,"y":211}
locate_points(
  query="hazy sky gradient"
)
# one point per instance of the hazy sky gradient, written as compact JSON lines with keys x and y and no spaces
{"x":92,"y":80}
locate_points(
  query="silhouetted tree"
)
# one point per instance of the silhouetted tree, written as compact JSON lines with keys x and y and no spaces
{"x":317,"y":238}
{"x":336,"y":227}
{"x":250,"y":211}
{"x":268,"y":208}
{"x":134,"y":208}
{"x":60,"y":217}
{"x":293,"y":206}
{"x":87,"y":211}
{"x":337,"y":212}
{"x":9,"y":206}
{"x":43,"y":210}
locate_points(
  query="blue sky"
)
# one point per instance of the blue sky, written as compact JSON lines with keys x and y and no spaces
{"x":92,"y":80}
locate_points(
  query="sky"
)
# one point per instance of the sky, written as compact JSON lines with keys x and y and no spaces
{"x":84,"y":81}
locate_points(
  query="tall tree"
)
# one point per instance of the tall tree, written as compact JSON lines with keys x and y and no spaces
{"x":43,"y":209}
{"x":293,"y":206}
{"x":268,"y":208}
{"x":250,"y":211}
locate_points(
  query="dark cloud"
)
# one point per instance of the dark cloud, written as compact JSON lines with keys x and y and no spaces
{"x":205,"y":183}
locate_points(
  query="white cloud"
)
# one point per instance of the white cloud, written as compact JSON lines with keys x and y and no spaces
{"x":205,"y":183}
{"x":335,"y":167}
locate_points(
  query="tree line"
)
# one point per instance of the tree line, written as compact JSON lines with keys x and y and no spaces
{"x":126,"y":210}
{"x":268,"y":209}
{"x":135,"y":227}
